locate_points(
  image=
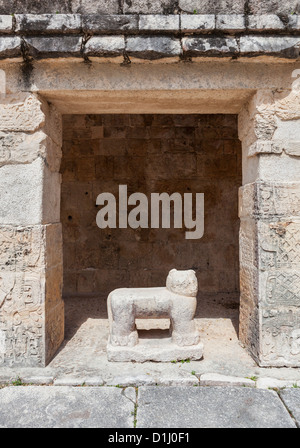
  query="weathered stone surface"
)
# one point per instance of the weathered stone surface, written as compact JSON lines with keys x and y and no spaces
{"x":7,"y":6}
{"x":294,"y":22}
{"x":70,"y":381}
{"x":41,"y":7}
{"x":54,"y":46}
{"x":109,"y":24}
{"x":48,"y":23}
{"x":66,"y":407}
{"x":132,"y":380}
{"x":280,"y":338}
{"x":197,"y":23}
{"x":272,"y":383}
{"x":159,"y":23}
{"x":197,"y":46}
{"x":230,"y":22}
{"x":27,"y":299}
{"x":210,"y":407}
{"x":10,"y":47}
{"x":291,"y":399}
{"x":21,"y":113}
{"x":215,"y":379}
{"x":142,"y":7}
{"x":290,"y":147}
{"x":53,"y":123}
{"x":265,"y":22}
{"x":157,"y":350}
{"x":6,"y":23}
{"x":17,"y":148}
{"x":198,"y":6}
{"x":287,"y":46}
{"x":269,"y":235}
{"x":105,"y":46}
{"x":153,"y":47}
{"x":269,"y":200}
{"x":31,"y":310}
{"x":37,"y":380}
{"x":271,"y":6}
{"x":95,"y":6}
{"x":177,"y":301}
{"x":21,"y":198}
{"x":145,"y":7}
{"x":214,"y":6}
{"x":30,"y":194}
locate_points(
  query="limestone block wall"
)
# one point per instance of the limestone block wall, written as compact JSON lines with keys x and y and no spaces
{"x":146,"y":7}
{"x":270,"y":227}
{"x":31,"y":309}
{"x":149,"y":154}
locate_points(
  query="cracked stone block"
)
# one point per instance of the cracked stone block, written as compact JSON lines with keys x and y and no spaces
{"x":210,"y":407}
{"x":291,"y":399}
{"x":67,"y":407}
{"x":153,"y":47}
{"x":10,"y":47}
{"x":54,"y":46}
{"x":105,"y":46}
{"x":48,"y":23}
{"x":197,"y":46}
{"x":284,"y":45}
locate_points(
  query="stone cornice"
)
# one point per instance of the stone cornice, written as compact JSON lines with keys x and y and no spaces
{"x":147,"y":36}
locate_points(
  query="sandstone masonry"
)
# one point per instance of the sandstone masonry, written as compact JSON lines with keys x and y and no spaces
{"x":90,"y":58}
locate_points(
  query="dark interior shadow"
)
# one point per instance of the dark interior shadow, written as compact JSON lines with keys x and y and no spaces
{"x":219,"y":306}
{"x":153,"y":334}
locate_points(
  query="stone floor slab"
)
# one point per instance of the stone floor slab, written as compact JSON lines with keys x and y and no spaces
{"x":291,"y":399}
{"x":66,"y":407}
{"x":210,"y":407}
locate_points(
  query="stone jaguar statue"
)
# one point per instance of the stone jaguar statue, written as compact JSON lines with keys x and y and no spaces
{"x":176,"y":301}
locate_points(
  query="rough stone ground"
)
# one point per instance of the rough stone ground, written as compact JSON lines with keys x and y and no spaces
{"x":82,"y":357}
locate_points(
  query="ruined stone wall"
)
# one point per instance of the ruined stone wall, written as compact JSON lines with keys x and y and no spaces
{"x":150,"y":7}
{"x":150,"y":154}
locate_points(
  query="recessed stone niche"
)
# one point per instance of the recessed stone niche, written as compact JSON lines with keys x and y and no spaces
{"x":150,"y":154}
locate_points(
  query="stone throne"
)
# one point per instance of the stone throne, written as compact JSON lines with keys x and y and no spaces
{"x":176,"y":301}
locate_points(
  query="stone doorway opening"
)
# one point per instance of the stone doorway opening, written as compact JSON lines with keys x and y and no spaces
{"x":149,"y":153}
